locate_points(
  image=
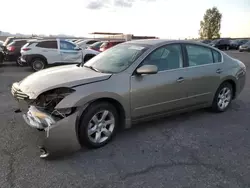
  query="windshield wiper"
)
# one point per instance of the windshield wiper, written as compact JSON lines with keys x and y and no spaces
{"x":92,"y":68}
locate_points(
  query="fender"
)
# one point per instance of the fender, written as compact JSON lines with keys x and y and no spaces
{"x":30,"y":57}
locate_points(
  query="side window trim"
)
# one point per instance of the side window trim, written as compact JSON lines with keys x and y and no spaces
{"x":182,"y":56}
{"x":220,"y":54}
{"x":213,"y":55}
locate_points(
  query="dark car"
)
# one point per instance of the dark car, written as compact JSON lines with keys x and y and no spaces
{"x":12,"y":51}
{"x":222,"y":44}
{"x":9,"y":40}
{"x":245,"y":47}
{"x":206,"y":41}
{"x":96,"y":46}
{"x":1,"y":55}
{"x":108,"y":44}
{"x":235,"y":44}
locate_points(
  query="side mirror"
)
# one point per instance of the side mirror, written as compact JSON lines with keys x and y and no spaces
{"x":147,"y":69}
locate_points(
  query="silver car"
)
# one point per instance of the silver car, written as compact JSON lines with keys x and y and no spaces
{"x":85,"y":105}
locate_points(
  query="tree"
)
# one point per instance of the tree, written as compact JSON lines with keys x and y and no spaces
{"x":211,"y":24}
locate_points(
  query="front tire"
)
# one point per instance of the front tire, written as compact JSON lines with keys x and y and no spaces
{"x":98,"y":125}
{"x":223,"y":98}
{"x":38,"y":64}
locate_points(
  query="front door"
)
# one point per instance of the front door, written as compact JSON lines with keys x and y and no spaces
{"x":69,"y":53}
{"x":162,"y":92}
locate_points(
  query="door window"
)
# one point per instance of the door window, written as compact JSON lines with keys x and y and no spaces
{"x":165,"y":58}
{"x":199,"y":55}
{"x":64,"y":45}
{"x":47,"y":44}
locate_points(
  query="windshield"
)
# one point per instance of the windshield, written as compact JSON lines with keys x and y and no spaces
{"x":247,"y":43}
{"x":7,"y":41}
{"x":96,"y":44}
{"x":235,"y":41}
{"x":215,"y":41}
{"x":117,"y":58}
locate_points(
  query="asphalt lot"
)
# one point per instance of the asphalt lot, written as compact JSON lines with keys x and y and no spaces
{"x":196,"y":150}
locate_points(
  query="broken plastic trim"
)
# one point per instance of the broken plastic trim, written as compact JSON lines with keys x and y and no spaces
{"x":38,"y":119}
{"x":43,"y":152}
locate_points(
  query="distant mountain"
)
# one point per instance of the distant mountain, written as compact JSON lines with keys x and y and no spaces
{"x":2,"y":33}
{"x":7,"y":34}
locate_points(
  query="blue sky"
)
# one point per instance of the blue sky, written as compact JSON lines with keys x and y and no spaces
{"x":162,"y":18}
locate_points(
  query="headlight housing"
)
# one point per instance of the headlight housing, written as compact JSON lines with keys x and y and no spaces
{"x":49,"y":99}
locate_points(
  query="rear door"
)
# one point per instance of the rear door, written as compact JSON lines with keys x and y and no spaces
{"x":49,"y":49}
{"x":203,"y":73}
{"x":69,"y":52}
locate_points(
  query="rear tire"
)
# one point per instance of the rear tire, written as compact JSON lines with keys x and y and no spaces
{"x":19,"y":62}
{"x":95,"y":131}
{"x":38,"y":64}
{"x":223,"y":97}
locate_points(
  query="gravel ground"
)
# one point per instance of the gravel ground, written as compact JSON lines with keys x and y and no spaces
{"x":198,"y":149}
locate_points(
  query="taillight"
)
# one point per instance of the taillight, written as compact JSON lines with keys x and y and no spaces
{"x":26,"y":49}
{"x":11,"y":48}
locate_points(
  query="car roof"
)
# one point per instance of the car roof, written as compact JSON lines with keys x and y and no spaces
{"x":16,"y":40}
{"x":156,"y":42}
{"x":43,"y":40}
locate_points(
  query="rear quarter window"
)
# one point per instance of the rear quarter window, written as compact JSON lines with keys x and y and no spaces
{"x":20,"y":43}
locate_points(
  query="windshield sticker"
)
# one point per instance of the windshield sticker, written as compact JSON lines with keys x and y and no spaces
{"x":136,"y":48}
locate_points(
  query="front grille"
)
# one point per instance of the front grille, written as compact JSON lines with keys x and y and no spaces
{"x":17,"y":93}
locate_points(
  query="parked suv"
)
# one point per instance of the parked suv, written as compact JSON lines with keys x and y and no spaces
{"x":41,"y":53}
{"x":108,"y":44}
{"x":222,"y":44}
{"x":12,"y":51}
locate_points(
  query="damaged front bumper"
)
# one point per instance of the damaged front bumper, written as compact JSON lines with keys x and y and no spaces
{"x":60,"y":134}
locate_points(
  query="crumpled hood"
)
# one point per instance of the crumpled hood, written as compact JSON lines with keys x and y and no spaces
{"x":61,"y":76}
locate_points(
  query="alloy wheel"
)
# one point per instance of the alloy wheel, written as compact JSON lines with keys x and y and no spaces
{"x":224,"y":98}
{"x":38,"y":65}
{"x":101,"y":126}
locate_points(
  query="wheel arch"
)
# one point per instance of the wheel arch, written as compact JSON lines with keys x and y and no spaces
{"x":118,"y":106}
{"x":38,"y":56}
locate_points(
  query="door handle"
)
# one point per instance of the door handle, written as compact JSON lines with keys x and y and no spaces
{"x":218,"y":71}
{"x":181,"y":79}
